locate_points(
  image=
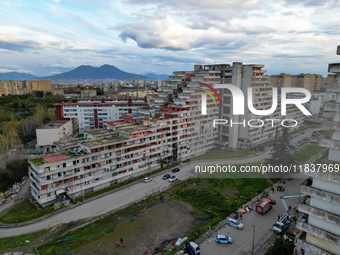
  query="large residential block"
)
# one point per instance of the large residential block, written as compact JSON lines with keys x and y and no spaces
{"x":12,"y":87}
{"x":95,"y":112}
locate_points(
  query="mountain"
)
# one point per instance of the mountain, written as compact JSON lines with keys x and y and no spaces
{"x":16,"y":76}
{"x":94,"y":74}
{"x":158,"y":76}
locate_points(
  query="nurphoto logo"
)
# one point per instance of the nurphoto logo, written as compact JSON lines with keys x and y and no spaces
{"x":238,"y":103}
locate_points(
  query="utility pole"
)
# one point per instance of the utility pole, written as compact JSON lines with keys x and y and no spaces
{"x":252,"y":252}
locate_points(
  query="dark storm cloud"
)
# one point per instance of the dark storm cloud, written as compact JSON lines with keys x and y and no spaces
{"x":19,"y":45}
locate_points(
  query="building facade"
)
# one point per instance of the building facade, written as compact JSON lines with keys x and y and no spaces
{"x":94,"y":112}
{"x":319,"y":230}
{"x":12,"y":87}
{"x":312,"y":82}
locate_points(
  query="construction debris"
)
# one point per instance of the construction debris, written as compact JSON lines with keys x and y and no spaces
{"x":11,"y":193}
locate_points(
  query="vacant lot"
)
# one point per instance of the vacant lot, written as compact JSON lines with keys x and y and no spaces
{"x":147,"y":226}
{"x":24,"y":211}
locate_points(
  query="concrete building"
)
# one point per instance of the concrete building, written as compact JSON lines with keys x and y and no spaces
{"x":131,"y":147}
{"x":324,"y":97}
{"x":54,"y":131}
{"x":58,"y":92}
{"x":333,"y":106}
{"x":320,"y":231}
{"x":312,"y":82}
{"x":94,"y":112}
{"x":12,"y":87}
{"x":313,"y":106}
{"x":244,"y":77}
{"x":88,"y":93}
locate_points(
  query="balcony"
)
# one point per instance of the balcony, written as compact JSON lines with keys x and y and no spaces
{"x":334,"y":68}
{"x":333,"y":87}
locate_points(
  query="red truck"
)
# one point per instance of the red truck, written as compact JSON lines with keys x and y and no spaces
{"x":264,"y":205}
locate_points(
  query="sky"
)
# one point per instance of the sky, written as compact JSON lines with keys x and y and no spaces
{"x":161,"y":36}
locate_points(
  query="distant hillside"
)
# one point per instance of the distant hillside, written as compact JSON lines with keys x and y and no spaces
{"x":16,"y":76}
{"x":90,"y":73}
{"x":158,"y":76}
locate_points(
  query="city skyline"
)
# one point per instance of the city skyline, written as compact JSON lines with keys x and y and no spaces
{"x":49,"y":37}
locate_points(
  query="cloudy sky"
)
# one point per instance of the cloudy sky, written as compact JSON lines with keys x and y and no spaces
{"x":52,"y":36}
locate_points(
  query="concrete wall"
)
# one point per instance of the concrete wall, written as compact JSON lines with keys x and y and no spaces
{"x":327,"y":246}
{"x":326,"y":186}
{"x":47,"y":136}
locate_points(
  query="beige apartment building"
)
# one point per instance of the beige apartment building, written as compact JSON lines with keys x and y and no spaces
{"x":312,"y":82}
{"x":12,"y":87}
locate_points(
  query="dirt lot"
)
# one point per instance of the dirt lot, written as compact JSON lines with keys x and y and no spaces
{"x":154,"y":227}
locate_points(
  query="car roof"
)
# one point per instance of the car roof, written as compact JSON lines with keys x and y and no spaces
{"x":221,"y":236}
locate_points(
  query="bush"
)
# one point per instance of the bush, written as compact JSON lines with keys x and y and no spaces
{"x":14,"y":172}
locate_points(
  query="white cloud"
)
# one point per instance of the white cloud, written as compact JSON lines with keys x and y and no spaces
{"x":56,"y":1}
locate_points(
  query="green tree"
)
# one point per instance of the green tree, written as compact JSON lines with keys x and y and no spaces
{"x":161,"y":161}
{"x":3,"y":115}
{"x":280,"y":151}
{"x":281,"y":247}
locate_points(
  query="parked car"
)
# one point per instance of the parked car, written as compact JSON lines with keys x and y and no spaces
{"x":258,"y":153}
{"x":296,"y":135}
{"x":303,"y":132}
{"x":176,"y":170}
{"x":147,"y":179}
{"x":173,"y":178}
{"x":223,"y":239}
{"x":167,"y":176}
{"x":234,"y":223}
{"x":313,"y":141}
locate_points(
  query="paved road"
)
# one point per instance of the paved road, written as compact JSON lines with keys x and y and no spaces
{"x":126,"y":196}
{"x":243,"y":239}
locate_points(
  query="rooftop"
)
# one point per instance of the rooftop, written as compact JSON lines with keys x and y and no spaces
{"x":102,"y":140}
{"x":53,"y":158}
{"x":54,"y":124}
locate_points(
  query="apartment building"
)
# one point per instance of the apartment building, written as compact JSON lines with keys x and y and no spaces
{"x":244,"y":77}
{"x":319,"y":231}
{"x":312,"y":82}
{"x":12,"y":87}
{"x":94,"y":112}
{"x":182,"y":91}
{"x":324,"y":96}
{"x":131,"y":147}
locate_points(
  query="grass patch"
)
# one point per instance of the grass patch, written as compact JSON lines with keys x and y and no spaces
{"x":38,"y":161}
{"x":218,"y":196}
{"x":218,"y":154}
{"x":121,"y":184}
{"x":307,"y":152}
{"x":95,"y":229}
{"x":24,"y":211}
{"x":80,"y":136}
{"x":325,"y":132}
{"x":19,"y":241}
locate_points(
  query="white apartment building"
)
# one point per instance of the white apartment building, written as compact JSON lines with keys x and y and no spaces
{"x":93,"y":113}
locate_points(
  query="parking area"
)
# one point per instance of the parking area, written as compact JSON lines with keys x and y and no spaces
{"x":302,"y":139}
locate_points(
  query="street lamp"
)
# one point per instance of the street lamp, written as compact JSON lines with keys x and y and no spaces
{"x":253,"y":240}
